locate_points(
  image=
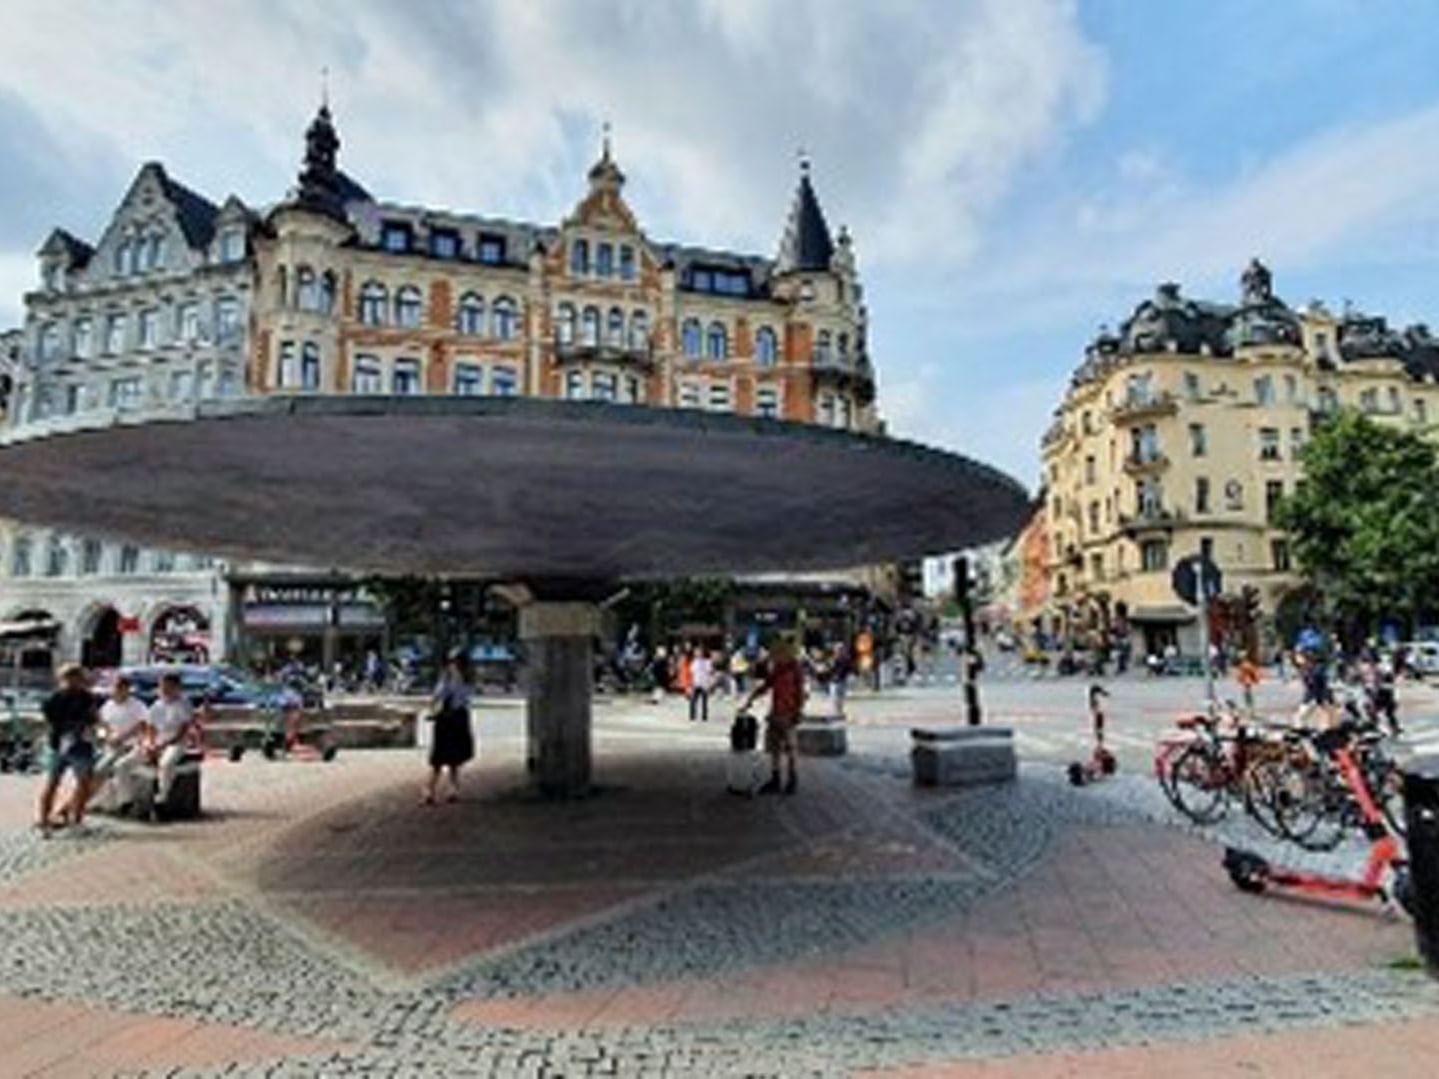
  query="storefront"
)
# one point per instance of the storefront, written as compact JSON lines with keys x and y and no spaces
{"x":319,"y":622}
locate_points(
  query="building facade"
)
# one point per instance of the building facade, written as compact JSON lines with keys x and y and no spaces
{"x":331,"y":290}
{"x":1180,"y":434}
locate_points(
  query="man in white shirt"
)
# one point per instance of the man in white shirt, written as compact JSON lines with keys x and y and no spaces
{"x":122,"y":723}
{"x":702,"y":674}
{"x":170,"y":721}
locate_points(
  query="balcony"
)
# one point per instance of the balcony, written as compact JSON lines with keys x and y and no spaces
{"x":1144,"y":407}
{"x":847,"y":372}
{"x":568,"y":352}
{"x":1151,"y":519}
{"x":1145,"y":463}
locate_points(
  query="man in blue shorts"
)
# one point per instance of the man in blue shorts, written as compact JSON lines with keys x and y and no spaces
{"x":69,"y":718}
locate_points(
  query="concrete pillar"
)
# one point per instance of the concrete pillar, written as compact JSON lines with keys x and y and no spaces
{"x":559,"y":643}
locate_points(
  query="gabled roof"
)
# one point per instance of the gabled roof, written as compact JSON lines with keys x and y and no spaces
{"x":76,"y":251}
{"x":195,"y":212}
{"x":806,"y":243}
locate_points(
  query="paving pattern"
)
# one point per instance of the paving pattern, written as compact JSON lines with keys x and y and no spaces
{"x":664,"y":929}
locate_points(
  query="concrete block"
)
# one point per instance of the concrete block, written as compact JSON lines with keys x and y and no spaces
{"x":822,"y":737}
{"x":964,"y":762}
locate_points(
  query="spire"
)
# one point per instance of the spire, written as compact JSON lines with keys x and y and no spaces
{"x":806,"y":243}
{"x":320,"y":182}
{"x":604,"y":173}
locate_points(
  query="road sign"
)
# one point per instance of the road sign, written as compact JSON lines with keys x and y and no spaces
{"x":1187,"y":574}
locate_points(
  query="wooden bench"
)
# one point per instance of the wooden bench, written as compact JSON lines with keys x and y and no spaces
{"x":962,"y":756}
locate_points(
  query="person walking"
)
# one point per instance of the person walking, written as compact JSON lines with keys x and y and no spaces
{"x":452,"y":743}
{"x":839,"y":672}
{"x":701,"y":683}
{"x":69,"y":716}
{"x":783,"y":680}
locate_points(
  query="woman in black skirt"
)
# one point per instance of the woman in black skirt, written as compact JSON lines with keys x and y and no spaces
{"x":452,"y":744}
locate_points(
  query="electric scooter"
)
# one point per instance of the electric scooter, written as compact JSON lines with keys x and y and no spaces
{"x":1386,"y":871}
{"x":1102,"y":763}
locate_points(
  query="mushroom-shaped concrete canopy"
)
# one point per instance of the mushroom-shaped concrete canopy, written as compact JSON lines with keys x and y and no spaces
{"x":512,"y":488}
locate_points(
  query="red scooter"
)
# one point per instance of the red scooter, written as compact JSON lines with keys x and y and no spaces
{"x":1101,"y":763}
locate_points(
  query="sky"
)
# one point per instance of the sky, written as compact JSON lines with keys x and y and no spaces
{"x":1015,"y":173}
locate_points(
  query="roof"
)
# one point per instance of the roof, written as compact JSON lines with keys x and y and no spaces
{"x":806,"y":243}
{"x":196,"y":213}
{"x":76,"y":251}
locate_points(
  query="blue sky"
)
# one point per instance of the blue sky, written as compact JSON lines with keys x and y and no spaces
{"x":1015,"y":172}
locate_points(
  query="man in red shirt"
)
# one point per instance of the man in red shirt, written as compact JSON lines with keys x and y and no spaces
{"x":783,"y":680}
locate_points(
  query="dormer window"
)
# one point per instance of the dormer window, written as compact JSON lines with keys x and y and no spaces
{"x":579,"y":258}
{"x":232,"y":245}
{"x":492,"y":250}
{"x":605,"y":260}
{"x":154,"y":252}
{"x":627,"y":263}
{"x":395,"y":237}
{"x":444,"y":243}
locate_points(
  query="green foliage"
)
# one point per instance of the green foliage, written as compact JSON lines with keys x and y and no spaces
{"x":661,"y":607}
{"x":1364,"y":523}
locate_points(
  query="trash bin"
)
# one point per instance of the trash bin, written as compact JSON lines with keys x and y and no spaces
{"x":1421,"y":812}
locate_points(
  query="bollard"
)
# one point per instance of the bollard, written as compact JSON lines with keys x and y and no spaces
{"x":1421,"y":812}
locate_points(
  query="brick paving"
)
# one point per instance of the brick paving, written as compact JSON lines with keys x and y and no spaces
{"x":319,"y":923}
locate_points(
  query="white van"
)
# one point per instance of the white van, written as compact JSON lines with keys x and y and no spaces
{"x":1423,"y":657}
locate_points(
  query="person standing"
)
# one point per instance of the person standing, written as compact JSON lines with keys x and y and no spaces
{"x":171,"y":720}
{"x":69,"y":716}
{"x":701,"y":682}
{"x":453,"y":743}
{"x":839,"y":672}
{"x":122,"y":724}
{"x":739,"y":670}
{"x":783,"y":680}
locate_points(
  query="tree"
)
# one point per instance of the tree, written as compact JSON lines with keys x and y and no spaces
{"x":1364,"y":522}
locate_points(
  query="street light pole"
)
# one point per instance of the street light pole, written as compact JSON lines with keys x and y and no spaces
{"x":971,"y":660}
{"x":1201,"y":571}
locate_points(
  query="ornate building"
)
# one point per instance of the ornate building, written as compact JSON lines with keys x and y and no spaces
{"x":1180,"y":433}
{"x":334,"y":291}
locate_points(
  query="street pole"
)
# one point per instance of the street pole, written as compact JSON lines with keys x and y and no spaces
{"x":1203,"y":597}
{"x":971,"y":661}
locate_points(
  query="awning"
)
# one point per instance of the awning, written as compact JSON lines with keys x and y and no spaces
{"x":1168,"y":615}
{"x":40,"y":627}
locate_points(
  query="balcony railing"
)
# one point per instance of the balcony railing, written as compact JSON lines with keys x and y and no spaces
{"x":1151,"y":519}
{"x":1145,"y":463}
{"x":1144,"y":406}
{"x":601,"y":352}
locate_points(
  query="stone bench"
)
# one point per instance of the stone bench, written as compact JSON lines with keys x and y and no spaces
{"x":962,"y":756}
{"x":184,"y":802}
{"x":822,"y":736}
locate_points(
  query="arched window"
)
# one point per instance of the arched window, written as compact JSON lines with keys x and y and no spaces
{"x":605,"y":260}
{"x":822,"y":347}
{"x":505,"y":320}
{"x":468,"y":379}
{"x":406,"y":381}
{"x":327,"y":292}
{"x":409,"y":307}
{"x":286,"y":376}
{"x":565,"y":324}
{"x":310,"y":367}
{"x":639,"y":331}
{"x":307,"y":292}
{"x":692,"y":338}
{"x":766,"y":347}
{"x":57,"y":557}
{"x":579,"y":258}
{"x":615,"y":328}
{"x":132,"y":261}
{"x":590,"y":326}
{"x":717,"y":342}
{"x":471,"y":317}
{"x":374,"y":301}
{"x":367,"y":377}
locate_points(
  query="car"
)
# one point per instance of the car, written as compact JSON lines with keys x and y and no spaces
{"x":1423,"y":657}
{"x":218,"y":684}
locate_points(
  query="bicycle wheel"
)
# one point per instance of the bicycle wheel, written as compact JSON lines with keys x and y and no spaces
{"x":1321,"y":811}
{"x":1270,"y":787}
{"x":1386,"y":787}
{"x":1200,"y":780}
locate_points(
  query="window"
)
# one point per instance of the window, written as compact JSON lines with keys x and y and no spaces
{"x":327,"y":292}
{"x":307,"y":290}
{"x":1198,"y":440}
{"x":590,"y":326}
{"x":1395,"y":404}
{"x":605,"y":260}
{"x":843,"y":340}
{"x":1291,"y":389}
{"x":374,"y":298}
{"x":129,"y":562}
{"x":125,"y":392}
{"x":822,"y":347}
{"x":565,"y":324}
{"x":468,"y":379}
{"x":20,"y":557}
{"x":287,"y":375}
{"x":1269,"y":444}
{"x":75,"y":398}
{"x":1321,"y":345}
{"x":409,"y":307}
{"x":1201,"y":494}
{"x":229,"y":383}
{"x":155,"y":253}
{"x":1328,"y":403}
{"x":1279,"y":554}
{"x":691,"y":338}
{"x":182,"y":385}
{"x":1264,"y":390}
{"x":444,"y":243}
{"x":204,"y":376}
{"x":1089,"y":469}
{"x":1191,"y":386}
{"x":1369,"y":400}
{"x":717,"y":342}
{"x":149,"y":328}
{"x":1296,"y":442}
{"x":766,"y":347}
{"x":50,"y":341}
{"x":1096,"y":566}
{"x":310,"y":367}
{"x":122,"y":258}
{"x":406,"y":380}
{"x":114,"y":335}
{"x":227,"y":319}
{"x":1421,"y":410}
{"x":1234,"y":495}
{"x":504,"y":382}
{"x":639,"y":332}
{"x":1153,"y":556}
{"x":1273,"y":495}
{"x":1094,"y":518}
{"x":1149,"y":498}
{"x":90,"y":552}
{"x":470,"y":319}
{"x":634,"y":392}
{"x":1206,"y":548}
{"x":57,"y":557}
{"x":164,"y":561}
{"x":232,"y":245}
{"x":187,"y":322}
{"x":615,"y":328}
{"x":719,"y":397}
{"x":826,"y":409}
{"x":367,"y":378}
{"x":604,"y":386}
{"x":579,"y":258}
{"x":1144,"y":444}
{"x":766,"y":402}
{"x":505,"y":319}
{"x":395,"y":236}
{"x":1139,"y":389}
{"x":627,"y":263}
{"x":689,"y":395}
{"x":84,"y":343}
{"x":574,"y":386}
{"x":492,"y":250}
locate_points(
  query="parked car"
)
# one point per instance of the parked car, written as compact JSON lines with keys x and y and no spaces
{"x":221,"y":685}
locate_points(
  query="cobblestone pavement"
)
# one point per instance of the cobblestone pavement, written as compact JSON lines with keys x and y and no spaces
{"x":318,"y":923}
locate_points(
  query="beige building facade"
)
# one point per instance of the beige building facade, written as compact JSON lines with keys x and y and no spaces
{"x":1180,"y":433}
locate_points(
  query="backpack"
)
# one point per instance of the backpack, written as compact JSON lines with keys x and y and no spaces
{"x":744,"y":733}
